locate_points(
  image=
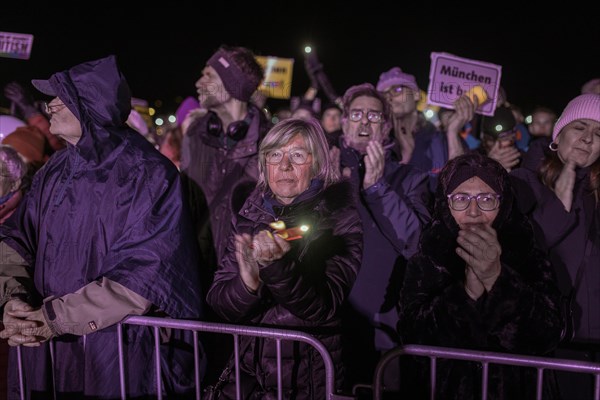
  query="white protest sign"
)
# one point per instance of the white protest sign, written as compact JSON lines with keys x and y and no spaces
{"x":15,"y":45}
{"x":450,"y":77}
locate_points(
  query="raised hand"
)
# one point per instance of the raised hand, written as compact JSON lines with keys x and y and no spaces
{"x":374,"y":163}
{"x":464,"y":110}
{"x":268,"y":247}
{"x":246,"y":261}
{"x":509,"y":157}
{"x":21,"y":98}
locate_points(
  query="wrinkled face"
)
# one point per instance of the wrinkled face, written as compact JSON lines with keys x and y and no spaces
{"x":357,"y":134}
{"x":211,"y":92}
{"x":542,"y":124}
{"x":402,"y":99}
{"x":288,"y":179}
{"x":579,"y":142}
{"x":331,"y":120}
{"x":63,"y":123}
{"x":473,"y":215}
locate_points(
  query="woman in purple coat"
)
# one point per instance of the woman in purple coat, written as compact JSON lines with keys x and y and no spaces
{"x":267,"y":281}
{"x":563,"y":200}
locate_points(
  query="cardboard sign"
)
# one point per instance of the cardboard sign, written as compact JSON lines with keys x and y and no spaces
{"x":450,"y":77}
{"x":277,"y":83}
{"x":15,"y":45}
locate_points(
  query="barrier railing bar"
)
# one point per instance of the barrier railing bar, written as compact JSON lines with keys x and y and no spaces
{"x":485,"y":357}
{"x":279,"y":378}
{"x":121,"y":362}
{"x":197,"y":364}
{"x":157,"y":365}
{"x":484,"y":380}
{"x":20,"y":366}
{"x":236,"y":352}
{"x":274,"y":333}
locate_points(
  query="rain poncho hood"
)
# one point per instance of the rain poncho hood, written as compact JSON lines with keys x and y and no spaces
{"x":109,"y":206}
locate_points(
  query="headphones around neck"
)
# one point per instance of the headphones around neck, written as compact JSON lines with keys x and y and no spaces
{"x":237,"y":130}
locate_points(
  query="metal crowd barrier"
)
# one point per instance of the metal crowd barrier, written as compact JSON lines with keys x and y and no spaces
{"x":236,"y":331}
{"x":485,"y":358}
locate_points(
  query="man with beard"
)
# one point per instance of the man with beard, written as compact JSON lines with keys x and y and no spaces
{"x":219,"y":163}
{"x":393,"y":207}
{"x":219,"y":150}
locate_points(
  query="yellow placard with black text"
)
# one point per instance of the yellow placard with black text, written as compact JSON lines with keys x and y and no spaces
{"x":277,"y":82}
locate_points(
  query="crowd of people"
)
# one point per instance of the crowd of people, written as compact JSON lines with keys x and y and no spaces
{"x":463,"y":233}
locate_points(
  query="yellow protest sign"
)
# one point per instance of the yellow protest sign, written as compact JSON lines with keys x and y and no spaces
{"x":277,"y":82}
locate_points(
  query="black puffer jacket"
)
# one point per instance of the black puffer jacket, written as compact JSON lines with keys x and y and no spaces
{"x":304,"y":290}
{"x":520,"y":314}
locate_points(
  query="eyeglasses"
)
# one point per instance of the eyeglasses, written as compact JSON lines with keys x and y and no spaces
{"x":395,"y":91}
{"x":51,"y":109}
{"x":296,"y":156}
{"x":485,"y":201}
{"x":373,"y":116}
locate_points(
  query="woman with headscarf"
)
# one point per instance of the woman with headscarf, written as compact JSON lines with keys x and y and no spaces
{"x":478,"y":282}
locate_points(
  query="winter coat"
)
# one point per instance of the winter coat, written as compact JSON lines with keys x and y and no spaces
{"x":392,"y":212}
{"x":571,"y":239}
{"x":304,"y":290}
{"x":520,"y":314}
{"x":110,"y":206}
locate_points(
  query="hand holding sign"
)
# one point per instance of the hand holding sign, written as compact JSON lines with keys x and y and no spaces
{"x":477,"y":93}
{"x":451,"y":77}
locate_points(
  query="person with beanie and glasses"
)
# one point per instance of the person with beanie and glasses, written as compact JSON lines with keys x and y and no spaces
{"x":563,"y":199}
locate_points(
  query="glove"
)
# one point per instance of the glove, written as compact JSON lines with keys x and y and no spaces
{"x":21,"y":98}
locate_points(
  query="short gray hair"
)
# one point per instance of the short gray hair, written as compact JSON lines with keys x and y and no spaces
{"x":314,"y":137}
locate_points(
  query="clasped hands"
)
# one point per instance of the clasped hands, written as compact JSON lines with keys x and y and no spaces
{"x":479,"y":247}
{"x":24,"y":325}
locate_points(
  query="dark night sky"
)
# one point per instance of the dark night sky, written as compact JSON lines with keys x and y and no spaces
{"x":161,"y":51}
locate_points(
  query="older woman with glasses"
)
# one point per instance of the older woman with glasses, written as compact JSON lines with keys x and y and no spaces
{"x":292,"y":258}
{"x":478,"y":282}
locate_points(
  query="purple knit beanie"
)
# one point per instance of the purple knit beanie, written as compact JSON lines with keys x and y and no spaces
{"x":239,"y":85}
{"x":585,"y":106}
{"x":394,"y":77}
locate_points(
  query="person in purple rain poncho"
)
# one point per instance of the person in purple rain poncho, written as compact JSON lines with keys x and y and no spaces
{"x":103,"y":233}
